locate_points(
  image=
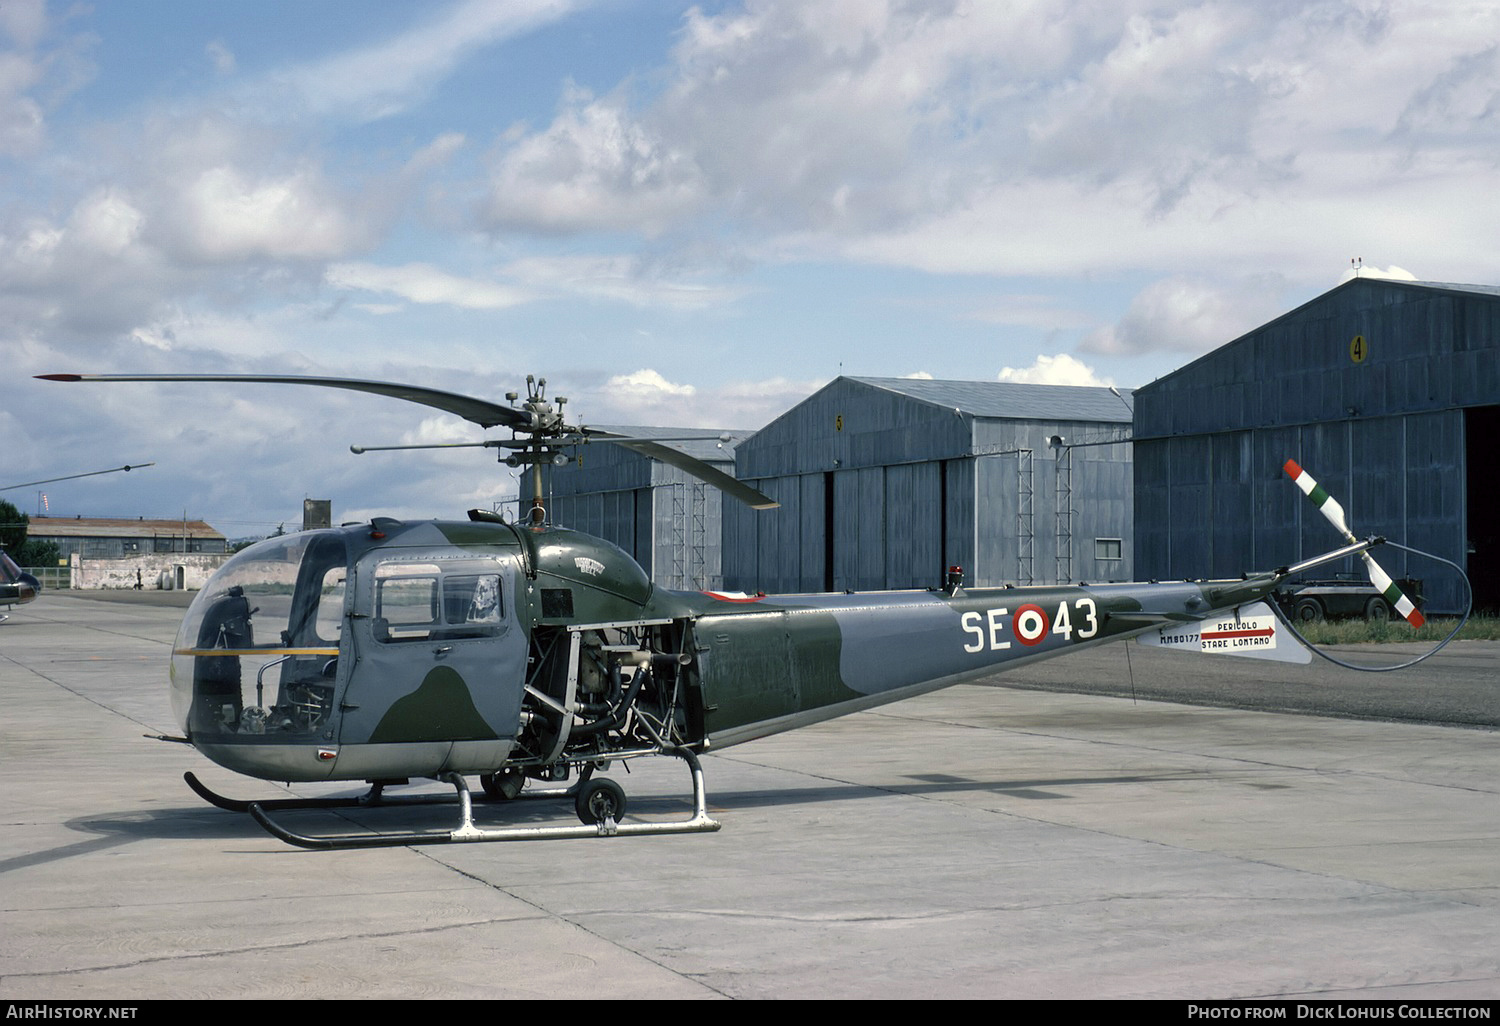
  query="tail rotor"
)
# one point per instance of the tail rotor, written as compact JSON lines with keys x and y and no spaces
{"x":1334,"y":512}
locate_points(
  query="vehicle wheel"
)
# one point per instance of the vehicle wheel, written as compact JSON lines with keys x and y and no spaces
{"x":1377,"y":610}
{"x":600,"y":799}
{"x":505,"y":784}
{"x":1309,"y":609}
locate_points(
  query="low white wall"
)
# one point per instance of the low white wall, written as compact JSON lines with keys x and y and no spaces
{"x":157,"y":572}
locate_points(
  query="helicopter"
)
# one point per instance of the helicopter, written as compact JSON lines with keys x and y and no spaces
{"x":17,"y":587}
{"x":525,"y":653}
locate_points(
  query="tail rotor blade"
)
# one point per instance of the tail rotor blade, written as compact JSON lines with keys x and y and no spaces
{"x":1326,"y":503}
{"x":1330,"y":508}
{"x":1391,"y":593}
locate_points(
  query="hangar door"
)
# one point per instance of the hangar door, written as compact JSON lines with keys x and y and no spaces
{"x":1482,"y":489}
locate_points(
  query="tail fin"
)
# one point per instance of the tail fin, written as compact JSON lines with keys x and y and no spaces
{"x":1251,"y":631}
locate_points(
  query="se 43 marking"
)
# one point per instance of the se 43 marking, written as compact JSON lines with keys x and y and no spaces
{"x":1030,"y":625}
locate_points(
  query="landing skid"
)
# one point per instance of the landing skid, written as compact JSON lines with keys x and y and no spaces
{"x":374,"y":797}
{"x":466,"y":833}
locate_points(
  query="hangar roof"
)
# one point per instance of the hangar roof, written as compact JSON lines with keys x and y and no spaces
{"x":117,"y":527}
{"x":1483,"y":290}
{"x":1013,"y":400}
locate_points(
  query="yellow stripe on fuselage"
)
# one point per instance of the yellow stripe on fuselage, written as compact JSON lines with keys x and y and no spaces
{"x":255,"y":651}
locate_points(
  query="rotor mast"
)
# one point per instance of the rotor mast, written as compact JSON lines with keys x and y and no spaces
{"x":546,"y":423}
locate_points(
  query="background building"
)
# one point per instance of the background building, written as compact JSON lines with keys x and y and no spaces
{"x":1387,"y":392}
{"x":124,"y":538}
{"x":885,"y":482}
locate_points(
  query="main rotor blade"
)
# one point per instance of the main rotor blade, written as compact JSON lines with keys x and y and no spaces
{"x":1330,"y":508}
{"x":360,"y":450}
{"x":476,"y":411}
{"x":73,"y":477}
{"x":689,"y":464}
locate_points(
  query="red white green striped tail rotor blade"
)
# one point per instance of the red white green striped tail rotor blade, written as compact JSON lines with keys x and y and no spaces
{"x":1326,"y":503}
{"x":1330,"y":508}
{"x":1393,"y":594}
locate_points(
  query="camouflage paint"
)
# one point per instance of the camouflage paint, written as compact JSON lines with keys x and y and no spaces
{"x":780,"y":662}
{"x":441,"y":709}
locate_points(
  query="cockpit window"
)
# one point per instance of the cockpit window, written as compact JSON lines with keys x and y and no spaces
{"x":406,"y":608}
{"x":422,"y":602}
{"x":472,"y":599}
{"x":329,"y":623}
{"x":257,"y":655}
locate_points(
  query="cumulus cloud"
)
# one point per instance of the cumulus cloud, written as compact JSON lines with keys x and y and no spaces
{"x":106,"y":223}
{"x":227,"y":214}
{"x":645,"y":387}
{"x":188,"y":210}
{"x":1392,"y":273}
{"x":423,"y":283}
{"x":647,"y":397}
{"x":441,"y":430}
{"x":1463,"y":93}
{"x":1020,"y":140}
{"x":1187,"y":314}
{"x":38,"y":68}
{"x":596,"y":277}
{"x":1061,"y":369}
{"x":21,"y":122}
{"x":752,"y":403}
{"x":86,"y":273}
{"x":24,"y":21}
{"x":626,"y":279}
{"x":1227,"y":156}
{"x":785,"y":114}
{"x":594,"y":168}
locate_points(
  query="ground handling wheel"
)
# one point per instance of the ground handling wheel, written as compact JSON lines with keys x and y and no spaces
{"x":600,"y":799}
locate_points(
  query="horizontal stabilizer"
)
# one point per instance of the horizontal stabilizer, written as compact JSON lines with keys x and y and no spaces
{"x":1251,"y":630}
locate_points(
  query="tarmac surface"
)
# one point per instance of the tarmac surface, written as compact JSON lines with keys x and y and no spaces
{"x":1003,"y":840}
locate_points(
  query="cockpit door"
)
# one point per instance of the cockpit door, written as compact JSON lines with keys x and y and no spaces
{"x":439,"y":654}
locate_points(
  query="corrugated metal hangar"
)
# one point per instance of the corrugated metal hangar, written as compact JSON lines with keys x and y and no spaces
{"x":667,"y":520}
{"x":1387,"y":392}
{"x":885,"y":482}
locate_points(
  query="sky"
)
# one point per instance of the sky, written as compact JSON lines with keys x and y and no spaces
{"x":678,"y":214}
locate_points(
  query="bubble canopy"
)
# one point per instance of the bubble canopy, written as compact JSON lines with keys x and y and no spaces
{"x":256,"y":658}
